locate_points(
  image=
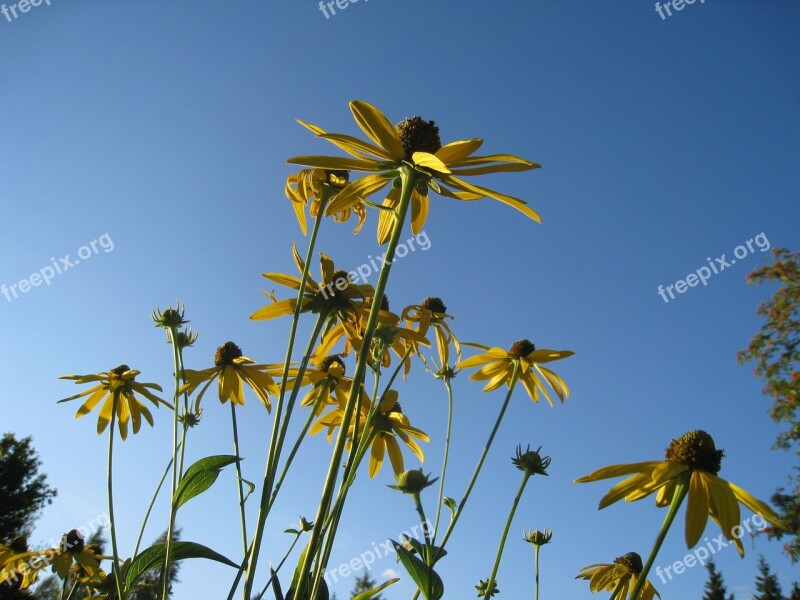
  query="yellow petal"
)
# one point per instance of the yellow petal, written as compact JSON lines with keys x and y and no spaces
{"x":429,"y":161}
{"x":456,"y":151}
{"x":356,"y":191}
{"x":377,"y":127}
{"x":697,"y":509}
{"x":756,"y":505}
{"x":419,"y":211}
{"x":386,"y":218}
{"x":337,"y":163}
{"x":619,"y":470}
{"x":276,"y":309}
{"x":355,"y":146}
{"x":520,"y":205}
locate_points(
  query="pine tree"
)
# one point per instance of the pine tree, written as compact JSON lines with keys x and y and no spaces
{"x":767,"y":584}
{"x":795,"y":595}
{"x":715,"y":587}
{"x":364,"y":584}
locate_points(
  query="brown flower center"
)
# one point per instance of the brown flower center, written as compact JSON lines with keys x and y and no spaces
{"x":521,"y":348}
{"x":632,"y":561}
{"x":72,"y":542}
{"x":434,"y":304}
{"x":326,"y":363}
{"x":697,"y":451}
{"x":120,"y":369}
{"x":418,"y":136}
{"x":226,"y":354}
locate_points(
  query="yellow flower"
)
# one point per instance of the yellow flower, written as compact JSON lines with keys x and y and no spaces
{"x":499,"y":367}
{"x":307,"y":186}
{"x":620,"y":576}
{"x":387,"y":424}
{"x":120,"y":384}
{"x":413,"y":142}
{"x":432,"y":313}
{"x":693,"y":460}
{"x":74,"y":549}
{"x":16,"y":562}
{"x":234,"y":370}
{"x":329,"y":384}
{"x":336,"y":295}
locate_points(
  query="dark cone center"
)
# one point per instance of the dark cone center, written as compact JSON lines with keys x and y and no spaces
{"x":697,"y":451}
{"x":521,"y":348}
{"x":418,"y":135}
{"x":226,"y":354}
{"x":632,"y":561}
{"x":326,"y":363}
{"x":434,"y":304}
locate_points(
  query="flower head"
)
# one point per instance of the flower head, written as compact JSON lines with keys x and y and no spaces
{"x":692,"y":461}
{"x":538,"y":538}
{"x":531,"y":462}
{"x":416,"y":143}
{"x":413,"y":481}
{"x":523,"y":358}
{"x":432,"y":312}
{"x":73,"y":549}
{"x":309,"y":185}
{"x":118,"y":387}
{"x":483,"y":588}
{"x":233,"y":370}
{"x":619,"y":577}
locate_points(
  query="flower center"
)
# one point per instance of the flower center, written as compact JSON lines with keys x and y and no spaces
{"x":521,"y":348}
{"x":385,"y":302}
{"x":120,"y":369}
{"x":632,"y":561}
{"x":18,"y":545}
{"x":697,"y":451}
{"x":337,"y":179}
{"x":418,"y":136}
{"x":340,"y":279}
{"x":326,"y":363}
{"x":226,"y":353}
{"x":72,"y":542}
{"x":434,"y":304}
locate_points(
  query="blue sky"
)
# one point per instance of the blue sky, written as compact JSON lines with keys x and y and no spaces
{"x":165,"y":127}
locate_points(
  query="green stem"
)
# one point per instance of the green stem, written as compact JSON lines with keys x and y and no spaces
{"x":496,"y":566}
{"x":176,"y":359}
{"x":681,"y":489}
{"x":71,"y":592}
{"x":423,"y":521}
{"x":536,"y":554}
{"x":150,"y":508}
{"x":446,"y":454}
{"x":239,"y":477}
{"x":276,"y":570}
{"x":112,"y":522}
{"x":274,"y":451}
{"x":408,"y":178}
{"x":479,"y":466}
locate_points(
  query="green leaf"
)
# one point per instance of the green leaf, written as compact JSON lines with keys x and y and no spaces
{"x":370,"y":593}
{"x":200,"y":476}
{"x":450,"y":503}
{"x":250,"y":485}
{"x":427,"y":580}
{"x":153,"y":557}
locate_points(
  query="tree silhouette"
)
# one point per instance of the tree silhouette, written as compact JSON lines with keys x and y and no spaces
{"x":715,"y":587}
{"x":364,"y":584}
{"x":767,"y":584}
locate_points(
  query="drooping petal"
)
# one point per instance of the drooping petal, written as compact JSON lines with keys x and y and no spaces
{"x":454,"y":152}
{"x":697,"y":508}
{"x":337,"y":163}
{"x":377,"y":127}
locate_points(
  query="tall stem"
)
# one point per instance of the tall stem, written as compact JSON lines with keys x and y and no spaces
{"x":176,"y":358}
{"x":446,"y":454}
{"x":536,"y":560}
{"x":479,"y":466}
{"x":408,"y":178}
{"x":110,"y":479}
{"x":681,"y":489}
{"x":150,"y":507}
{"x":242,"y":517}
{"x":496,"y":566}
{"x":274,"y":449}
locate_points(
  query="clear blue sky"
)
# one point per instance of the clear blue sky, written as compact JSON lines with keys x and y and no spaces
{"x":166,"y":127}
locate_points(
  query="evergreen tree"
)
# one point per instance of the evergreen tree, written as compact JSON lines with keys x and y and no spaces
{"x":767,"y":584}
{"x":23,"y":494}
{"x":364,"y":584}
{"x":795,"y":595}
{"x":148,"y":586}
{"x":715,"y":587}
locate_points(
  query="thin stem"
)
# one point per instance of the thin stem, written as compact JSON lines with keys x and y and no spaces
{"x":479,"y":466}
{"x":274,"y":449}
{"x":150,"y":508}
{"x":681,"y":489}
{"x":536,"y":554}
{"x":239,"y":477}
{"x":110,"y":477}
{"x":423,"y":520}
{"x":496,"y":566}
{"x":176,"y":353}
{"x":71,"y":592}
{"x":408,"y":178}
{"x":446,"y":454}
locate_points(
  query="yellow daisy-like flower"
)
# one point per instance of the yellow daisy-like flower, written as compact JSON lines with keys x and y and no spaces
{"x":619,"y":577}
{"x":74,"y":550}
{"x":499,"y":367}
{"x":413,"y":142}
{"x":692,"y":461}
{"x":432,"y":313}
{"x":120,"y":384}
{"x":336,"y":295}
{"x":329,"y":384}
{"x":232,"y":370}
{"x":17,"y":564}
{"x":307,"y":186}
